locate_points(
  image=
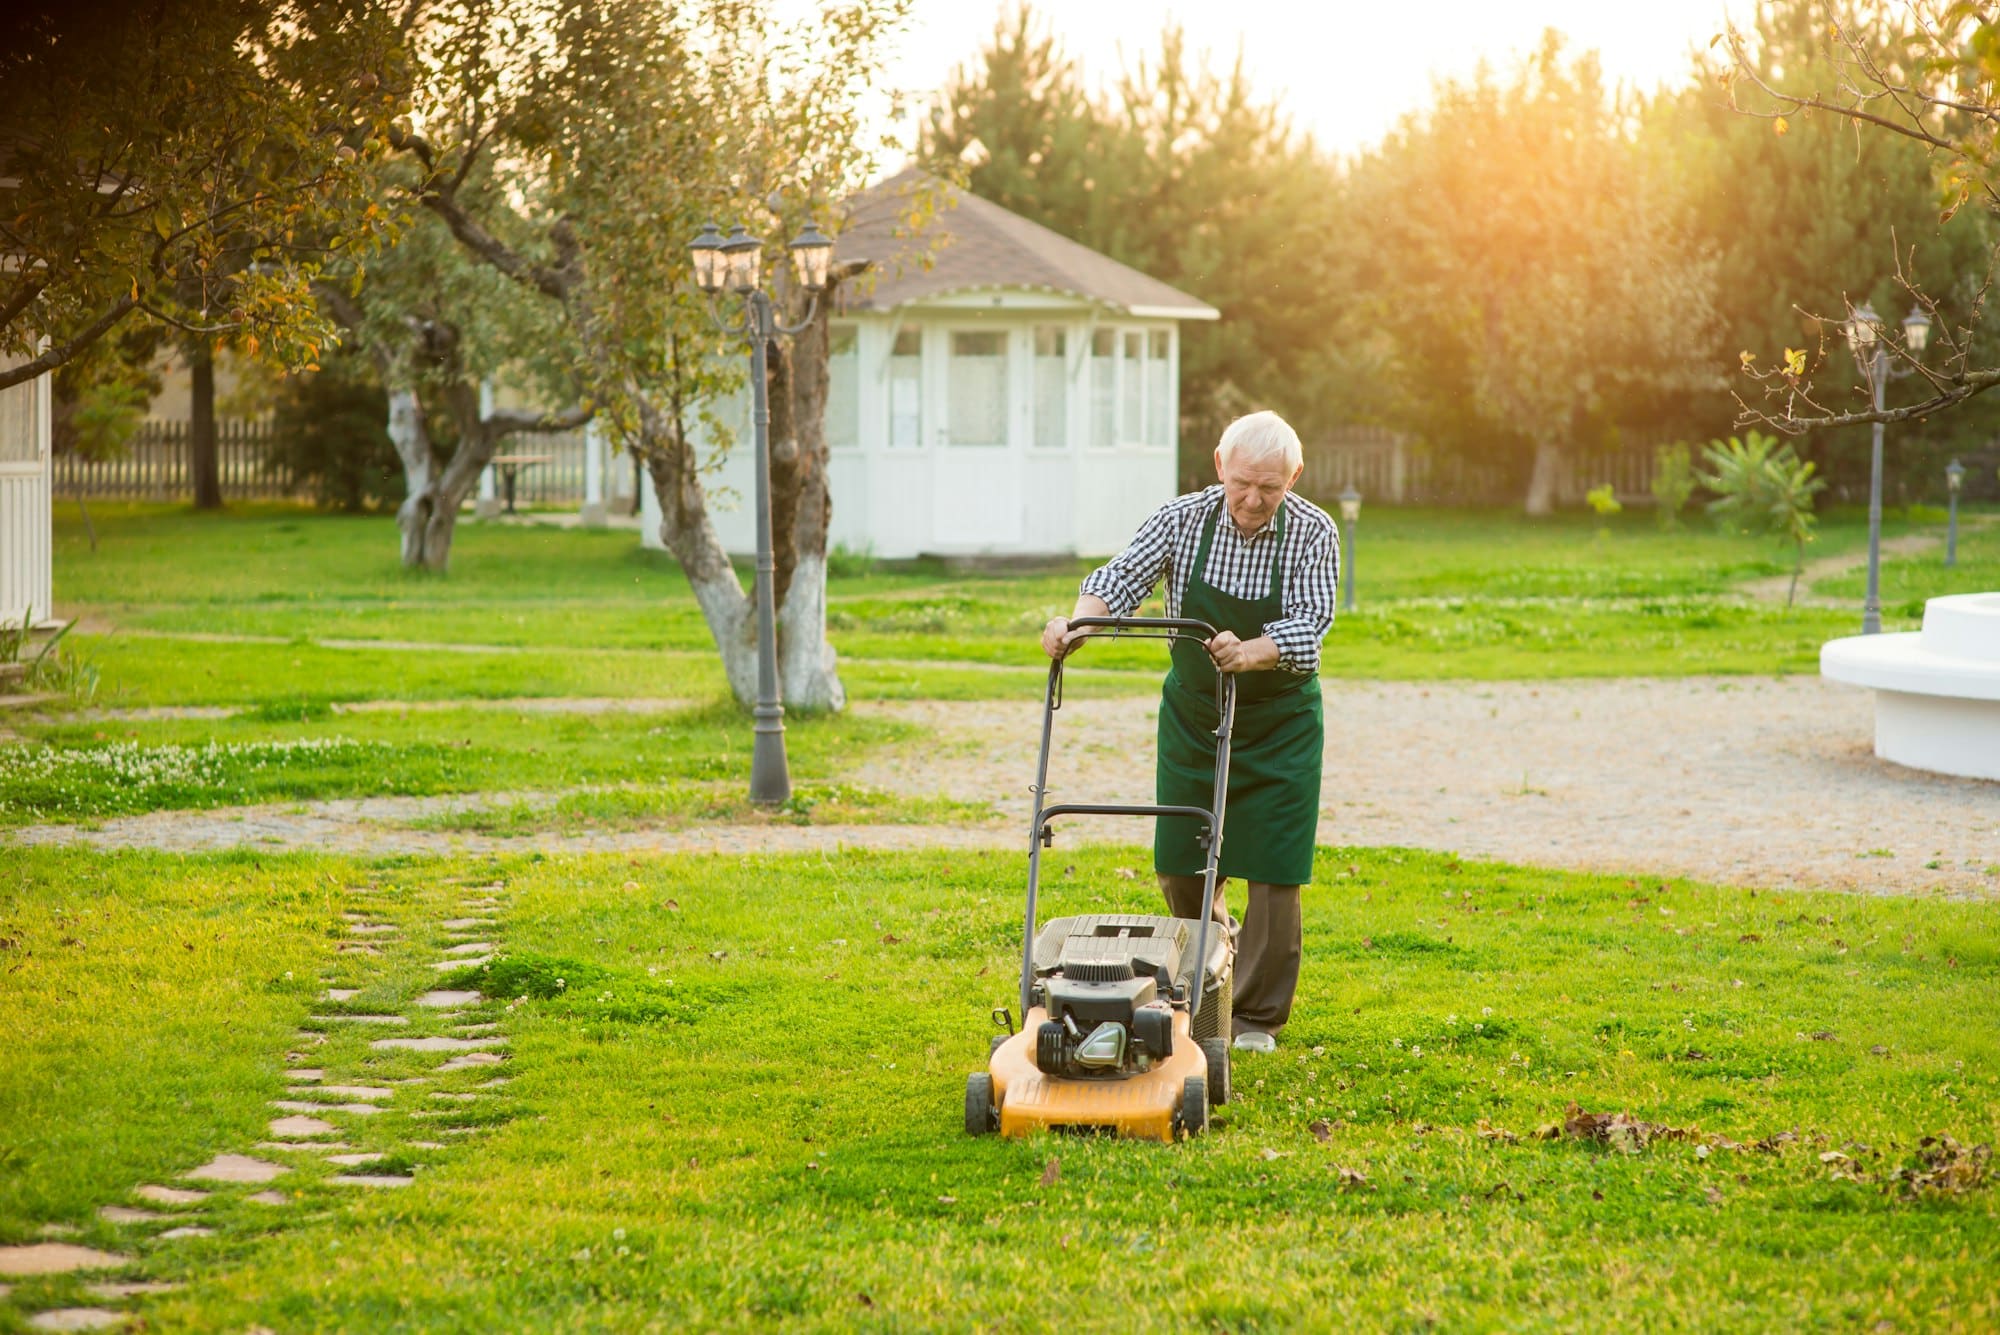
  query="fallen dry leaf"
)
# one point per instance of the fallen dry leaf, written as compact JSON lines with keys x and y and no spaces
{"x":1499,"y":1134}
{"x":1127,"y":874}
{"x":1052,"y":1172}
{"x":947,"y":1200}
{"x":1353,"y":1179}
{"x":672,"y":906}
{"x":1268,"y":1154}
{"x":1322,"y":1131}
{"x":1714,"y":1196}
{"x":890,"y":940}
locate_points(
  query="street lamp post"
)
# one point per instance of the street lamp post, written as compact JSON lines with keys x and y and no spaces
{"x":1350,"y":515}
{"x":1954,"y":481}
{"x":734,"y":264}
{"x":1871,"y":353}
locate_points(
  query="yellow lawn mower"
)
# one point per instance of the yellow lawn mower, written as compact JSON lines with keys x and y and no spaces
{"x":1124,"y":1017}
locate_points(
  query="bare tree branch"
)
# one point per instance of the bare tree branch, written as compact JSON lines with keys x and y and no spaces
{"x":58,"y":355}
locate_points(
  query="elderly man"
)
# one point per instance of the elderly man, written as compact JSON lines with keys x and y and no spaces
{"x":1261,"y":566}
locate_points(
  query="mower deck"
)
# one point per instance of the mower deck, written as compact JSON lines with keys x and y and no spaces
{"x":1140,"y":1107}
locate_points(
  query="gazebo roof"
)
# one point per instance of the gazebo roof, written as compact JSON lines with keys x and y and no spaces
{"x":976,"y":245}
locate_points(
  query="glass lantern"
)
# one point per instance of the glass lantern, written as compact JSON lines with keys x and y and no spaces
{"x":812,"y":258}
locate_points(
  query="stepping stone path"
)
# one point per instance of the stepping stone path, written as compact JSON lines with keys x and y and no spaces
{"x":371,"y":928}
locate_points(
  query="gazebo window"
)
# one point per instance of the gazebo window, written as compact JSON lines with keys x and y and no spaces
{"x":19,"y":441}
{"x":843,"y":390}
{"x":1131,"y":389}
{"x":1104,"y":387}
{"x":906,"y":390}
{"x":1159,"y":390}
{"x":976,"y":389}
{"x":1051,"y":388}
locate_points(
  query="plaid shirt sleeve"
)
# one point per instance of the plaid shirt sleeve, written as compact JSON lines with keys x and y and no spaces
{"x":1128,"y":579}
{"x":1309,"y":604}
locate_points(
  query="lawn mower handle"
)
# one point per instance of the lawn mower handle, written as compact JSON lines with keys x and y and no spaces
{"x":1040,"y":833}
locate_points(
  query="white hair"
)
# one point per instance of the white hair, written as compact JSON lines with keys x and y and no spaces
{"x":1261,"y":436}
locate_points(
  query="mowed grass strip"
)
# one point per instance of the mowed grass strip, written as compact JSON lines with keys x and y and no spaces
{"x":737,"y":1086}
{"x":550,"y":612}
{"x":292,"y":751}
{"x":685,"y":805}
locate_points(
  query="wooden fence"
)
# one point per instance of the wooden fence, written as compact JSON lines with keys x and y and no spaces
{"x":155,"y":467}
{"x":1386,"y":468}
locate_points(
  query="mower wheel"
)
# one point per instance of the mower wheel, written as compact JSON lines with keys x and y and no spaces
{"x":981,"y":1118}
{"x":999,"y":1041}
{"x":1049,"y":1048}
{"x":1217,"y":1052}
{"x":1155,"y":1031}
{"x":1194,"y":1106}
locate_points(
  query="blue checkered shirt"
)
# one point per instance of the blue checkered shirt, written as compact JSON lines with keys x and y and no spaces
{"x":1166,"y":545}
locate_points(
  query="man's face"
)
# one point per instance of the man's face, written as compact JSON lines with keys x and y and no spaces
{"x":1253,"y":488}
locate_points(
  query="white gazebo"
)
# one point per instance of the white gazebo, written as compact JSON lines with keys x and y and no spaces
{"x":26,"y":568}
{"x":1017,"y":395}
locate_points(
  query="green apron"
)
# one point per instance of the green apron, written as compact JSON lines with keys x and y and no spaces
{"x":1271,"y":820}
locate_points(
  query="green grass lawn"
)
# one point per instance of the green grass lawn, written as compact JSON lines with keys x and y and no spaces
{"x":532,"y":611}
{"x":742,"y":1109}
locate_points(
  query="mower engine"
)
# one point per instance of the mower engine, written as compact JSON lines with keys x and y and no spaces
{"x":1110,"y":984}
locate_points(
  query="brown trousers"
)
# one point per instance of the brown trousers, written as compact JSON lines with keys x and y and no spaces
{"x":1269,"y":945}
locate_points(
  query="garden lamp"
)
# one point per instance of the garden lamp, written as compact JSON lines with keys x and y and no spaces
{"x":706,"y":250}
{"x":812,"y":258}
{"x":1916,"y":329}
{"x":743,"y":260}
{"x":734,"y":263}
{"x":1863,"y":327}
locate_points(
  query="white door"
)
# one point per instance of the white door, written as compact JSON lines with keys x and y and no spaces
{"x":25,"y":565}
{"x":977,"y":499}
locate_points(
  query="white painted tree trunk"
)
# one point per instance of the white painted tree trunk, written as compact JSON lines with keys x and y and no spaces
{"x":807,"y":666}
{"x":1542,"y":481}
{"x":413,"y":447}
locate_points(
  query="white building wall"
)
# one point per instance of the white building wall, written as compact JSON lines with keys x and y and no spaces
{"x":1009,"y":498}
{"x":26,"y":563}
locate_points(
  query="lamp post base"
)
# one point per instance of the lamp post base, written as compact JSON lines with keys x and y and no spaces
{"x":770,"y":774}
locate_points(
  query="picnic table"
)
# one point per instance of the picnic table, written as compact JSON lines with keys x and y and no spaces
{"x":512,"y":465}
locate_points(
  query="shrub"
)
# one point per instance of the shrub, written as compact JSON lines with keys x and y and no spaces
{"x":1762,"y":486}
{"x":1673,"y":483}
{"x":330,"y":433}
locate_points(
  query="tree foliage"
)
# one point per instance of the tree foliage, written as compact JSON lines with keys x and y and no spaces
{"x":185,"y":166}
{"x":1762,"y":486}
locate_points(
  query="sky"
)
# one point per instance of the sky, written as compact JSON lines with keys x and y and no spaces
{"x":1345,"y":71}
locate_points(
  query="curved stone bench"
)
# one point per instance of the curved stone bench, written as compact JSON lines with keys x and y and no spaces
{"x":1937,"y":690}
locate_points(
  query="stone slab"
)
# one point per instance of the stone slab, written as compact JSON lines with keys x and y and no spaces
{"x":478,"y":1030}
{"x":342,"y":993}
{"x":78,"y":1318}
{"x":129,"y":1214}
{"x":371,"y":1180}
{"x":438,"y":1043}
{"x":301,"y":1128}
{"x":170,"y":1195}
{"x":469,"y":962}
{"x":315,"y":1146}
{"x":427,"y":1145}
{"x":237,"y":1168}
{"x":372,"y":929}
{"x":455,"y":1098}
{"x":356,"y":948}
{"x":298,"y":1106}
{"x":441,"y":997}
{"x":305,"y":1073}
{"x":136,"y":1289}
{"x":189,"y":1231}
{"x":355,"y":1160}
{"x":269,"y":1198}
{"x":472,"y":948}
{"x":466,"y":924}
{"x":472,"y":1059}
{"x":57,"y":1258}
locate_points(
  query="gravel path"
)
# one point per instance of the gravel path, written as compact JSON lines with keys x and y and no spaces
{"x":1745,"y":780}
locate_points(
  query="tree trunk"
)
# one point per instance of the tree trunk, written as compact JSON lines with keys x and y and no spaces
{"x":690,"y":535}
{"x":203,"y":469}
{"x":1542,"y":482}
{"x":413,"y":446}
{"x":808,"y":666}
